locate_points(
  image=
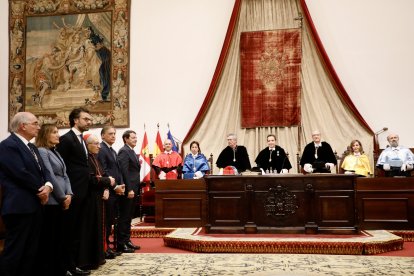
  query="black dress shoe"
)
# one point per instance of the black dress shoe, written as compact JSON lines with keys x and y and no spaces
{"x":133,"y":246}
{"x":124,"y":249}
{"x":78,"y":271}
{"x":68,"y":273}
{"x":109,"y":255}
{"x":116,"y":253}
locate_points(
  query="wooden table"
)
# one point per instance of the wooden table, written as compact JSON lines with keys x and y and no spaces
{"x":317,"y":203}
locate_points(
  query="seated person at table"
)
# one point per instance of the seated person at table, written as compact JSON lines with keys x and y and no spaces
{"x":234,"y":155}
{"x":167,"y":165}
{"x":396,"y":160}
{"x":195,"y":163}
{"x":273,"y":157}
{"x":318,"y":157}
{"x":356,"y":162}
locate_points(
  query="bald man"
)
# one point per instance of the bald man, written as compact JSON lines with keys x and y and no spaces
{"x":167,"y":164}
{"x":396,"y":160}
{"x":26,"y":185}
{"x":318,"y":156}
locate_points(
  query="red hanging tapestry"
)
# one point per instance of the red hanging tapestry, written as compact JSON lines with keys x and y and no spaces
{"x":270,"y":78}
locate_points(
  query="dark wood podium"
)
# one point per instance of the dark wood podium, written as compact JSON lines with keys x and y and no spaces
{"x":318,"y":203}
{"x":386,"y":203}
{"x":180,"y":203}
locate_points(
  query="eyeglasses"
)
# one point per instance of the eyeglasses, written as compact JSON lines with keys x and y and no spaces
{"x":87,"y":119}
{"x":33,"y":123}
{"x":94,"y":143}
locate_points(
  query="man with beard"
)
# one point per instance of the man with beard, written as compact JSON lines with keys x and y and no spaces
{"x":396,"y":160}
{"x":73,"y":150}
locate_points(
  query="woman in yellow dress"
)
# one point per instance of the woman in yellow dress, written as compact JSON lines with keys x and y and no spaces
{"x":356,"y":162}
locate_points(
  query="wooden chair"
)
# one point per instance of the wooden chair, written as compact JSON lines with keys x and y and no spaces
{"x":210,"y":161}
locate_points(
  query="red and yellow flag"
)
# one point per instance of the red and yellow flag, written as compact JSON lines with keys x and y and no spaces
{"x":145,"y":160}
{"x":158,"y":147}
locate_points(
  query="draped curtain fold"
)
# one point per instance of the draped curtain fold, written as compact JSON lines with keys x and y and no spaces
{"x":325,"y":105}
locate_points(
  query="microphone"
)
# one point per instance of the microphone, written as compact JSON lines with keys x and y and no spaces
{"x":381,"y":130}
{"x":283,"y":163}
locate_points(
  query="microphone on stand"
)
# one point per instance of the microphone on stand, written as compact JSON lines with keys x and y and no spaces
{"x":381,"y":130}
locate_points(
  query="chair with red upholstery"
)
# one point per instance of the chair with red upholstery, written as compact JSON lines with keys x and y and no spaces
{"x":147,"y":204}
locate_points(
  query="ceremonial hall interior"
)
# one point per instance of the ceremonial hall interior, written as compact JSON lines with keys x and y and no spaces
{"x":348,"y":70}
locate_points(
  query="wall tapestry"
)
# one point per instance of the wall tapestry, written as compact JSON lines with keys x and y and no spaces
{"x":70,"y":53}
{"x":270,"y":78}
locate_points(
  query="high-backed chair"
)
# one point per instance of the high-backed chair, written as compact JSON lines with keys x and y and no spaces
{"x":210,"y":162}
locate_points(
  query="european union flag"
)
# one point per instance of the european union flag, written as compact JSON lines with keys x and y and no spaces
{"x":174,"y":144}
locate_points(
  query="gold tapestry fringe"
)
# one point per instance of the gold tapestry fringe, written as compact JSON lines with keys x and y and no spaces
{"x":139,"y":232}
{"x":372,"y":248}
{"x":407,"y":235}
{"x":296,"y":247}
{"x":349,"y":248}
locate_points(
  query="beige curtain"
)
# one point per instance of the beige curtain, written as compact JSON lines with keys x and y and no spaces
{"x":321,"y":107}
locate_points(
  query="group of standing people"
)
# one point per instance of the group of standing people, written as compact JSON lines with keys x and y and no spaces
{"x":63,"y":195}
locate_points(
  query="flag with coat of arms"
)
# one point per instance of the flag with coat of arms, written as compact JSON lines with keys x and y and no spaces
{"x":158,"y":147}
{"x":145,"y":161}
{"x":173,"y":143}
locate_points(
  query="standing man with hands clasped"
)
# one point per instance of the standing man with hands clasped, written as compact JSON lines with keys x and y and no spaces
{"x":73,"y":150}
{"x":108,"y":159}
{"x":26,"y":186}
{"x":130,"y":168}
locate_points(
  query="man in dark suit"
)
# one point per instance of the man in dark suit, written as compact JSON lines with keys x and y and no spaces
{"x":73,"y":150}
{"x":26,"y":187}
{"x":108,"y":159}
{"x":130,"y":168}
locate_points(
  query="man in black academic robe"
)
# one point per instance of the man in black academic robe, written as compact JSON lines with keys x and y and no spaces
{"x":318,"y":157}
{"x":273,"y":157}
{"x":234,"y":155}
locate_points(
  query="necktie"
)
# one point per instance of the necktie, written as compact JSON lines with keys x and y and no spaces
{"x":83,"y":145}
{"x":31,"y":147}
{"x":316,"y":152}
{"x":113,"y":152}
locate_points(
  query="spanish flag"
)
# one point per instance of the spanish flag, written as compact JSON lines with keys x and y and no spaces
{"x":158,"y":147}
